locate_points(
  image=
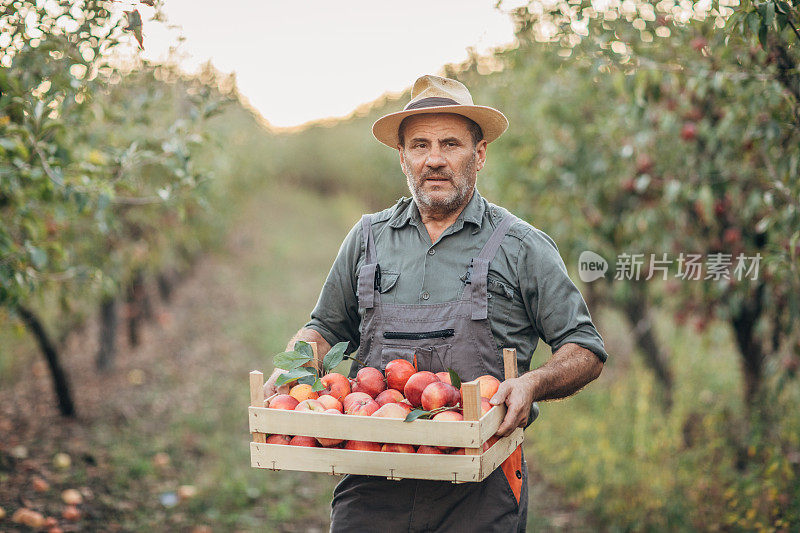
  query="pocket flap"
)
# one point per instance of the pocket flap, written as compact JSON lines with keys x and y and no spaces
{"x":388,"y":280}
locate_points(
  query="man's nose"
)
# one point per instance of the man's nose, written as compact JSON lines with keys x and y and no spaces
{"x":435,"y":159}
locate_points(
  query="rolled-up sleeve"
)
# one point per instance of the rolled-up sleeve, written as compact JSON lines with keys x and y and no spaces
{"x":335,"y":316}
{"x":553,"y":302}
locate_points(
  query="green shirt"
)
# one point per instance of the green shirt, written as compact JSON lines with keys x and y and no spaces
{"x":530,"y":294}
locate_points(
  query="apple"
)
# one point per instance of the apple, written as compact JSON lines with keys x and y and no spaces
{"x":397,"y":373}
{"x":330,"y":402}
{"x":392,"y":410}
{"x":363,"y":407}
{"x":489,"y":385}
{"x":429,"y":449}
{"x":362,"y":445}
{"x":310,"y":405}
{"x":389,"y":396}
{"x":459,"y":451}
{"x":283,"y":401}
{"x":448,"y":416}
{"x":398,"y":448}
{"x":416,"y":384}
{"x":486,"y":406}
{"x":369,"y":380}
{"x":275,"y":438}
{"x":437,"y":395}
{"x":444,"y":376}
{"x":300,"y":440}
{"x":489,"y":443}
{"x":336,"y":385}
{"x":303,"y":392}
{"x":354,"y":397}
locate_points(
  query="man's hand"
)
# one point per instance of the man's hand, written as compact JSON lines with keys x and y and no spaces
{"x":517,"y":394}
{"x":565,"y":373}
{"x":269,"y":386}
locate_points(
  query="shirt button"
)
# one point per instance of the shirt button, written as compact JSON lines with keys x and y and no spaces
{"x":425,"y":295}
{"x":431,"y":251}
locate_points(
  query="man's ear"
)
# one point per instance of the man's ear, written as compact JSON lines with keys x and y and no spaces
{"x":402,"y":160}
{"x":480,"y":150}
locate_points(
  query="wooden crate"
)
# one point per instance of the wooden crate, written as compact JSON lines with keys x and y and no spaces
{"x":475,"y":465}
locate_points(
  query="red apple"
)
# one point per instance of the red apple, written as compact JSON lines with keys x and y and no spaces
{"x":485,"y":406}
{"x":283,"y":401}
{"x":398,"y":448}
{"x":437,"y":395}
{"x":389,"y":396}
{"x":370,"y":380}
{"x":362,"y":407}
{"x":459,"y":451}
{"x":489,"y":443}
{"x":489,"y":385}
{"x":397,"y":373}
{"x":299,"y":440}
{"x":336,"y":385}
{"x":310,"y":405}
{"x":416,"y":384}
{"x":452,"y":416}
{"x":392,"y":410}
{"x":278,"y":439}
{"x":330,"y":402}
{"x":353,"y":397}
{"x":429,"y":449}
{"x":362,"y":445}
{"x":444,"y":376}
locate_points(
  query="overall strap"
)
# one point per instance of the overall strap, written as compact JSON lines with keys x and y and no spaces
{"x":478,"y":278}
{"x":368,"y":271}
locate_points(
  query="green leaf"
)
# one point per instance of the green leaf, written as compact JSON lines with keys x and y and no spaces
{"x":455,"y":379}
{"x":753,"y":21}
{"x":334,"y":356}
{"x":762,"y":37}
{"x":290,"y":360}
{"x":304,"y":348}
{"x":317,"y":386}
{"x":417,"y":413}
{"x":769,"y":15}
{"x":308,"y":379}
{"x":292,"y":375}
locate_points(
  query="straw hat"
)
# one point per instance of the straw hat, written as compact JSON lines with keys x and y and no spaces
{"x":432,"y":94}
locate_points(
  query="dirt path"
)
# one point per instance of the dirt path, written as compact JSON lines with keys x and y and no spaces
{"x":172,"y":413}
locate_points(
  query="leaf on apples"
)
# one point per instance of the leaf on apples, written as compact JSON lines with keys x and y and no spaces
{"x":292,"y":375}
{"x":317,"y":386}
{"x":455,"y":380}
{"x":417,"y":413}
{"x":334,"y":356}
{"x":304,"y":348}
{"x":290,"y":360}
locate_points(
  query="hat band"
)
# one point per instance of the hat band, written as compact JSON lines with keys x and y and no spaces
{"x":433,"y":101}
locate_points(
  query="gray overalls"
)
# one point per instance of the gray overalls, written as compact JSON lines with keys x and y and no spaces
{"x":455,"y":335}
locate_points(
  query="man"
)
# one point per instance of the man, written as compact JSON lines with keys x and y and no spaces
{"x":450,"y":279}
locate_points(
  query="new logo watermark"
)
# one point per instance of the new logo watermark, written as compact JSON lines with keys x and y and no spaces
{"x":687,"y":266}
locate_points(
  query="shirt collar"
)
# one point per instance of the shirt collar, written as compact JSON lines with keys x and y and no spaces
{"x":472,"y":213}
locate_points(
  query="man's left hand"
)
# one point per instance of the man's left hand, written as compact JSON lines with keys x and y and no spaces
{"x":517,"y":394}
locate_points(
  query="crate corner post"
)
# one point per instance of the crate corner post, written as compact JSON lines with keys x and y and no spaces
{"x":257,"y":399}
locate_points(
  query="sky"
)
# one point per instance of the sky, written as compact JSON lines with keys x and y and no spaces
{"x":302,"y":60}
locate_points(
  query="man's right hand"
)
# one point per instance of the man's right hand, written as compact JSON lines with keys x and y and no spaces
{"x":269,"y":386}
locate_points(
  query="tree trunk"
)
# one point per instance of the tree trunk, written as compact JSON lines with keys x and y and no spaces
{"x":60,"y":382}
{"x":108,"y":334}
{"x":638,"y":314}
{"x":744,"y":323}
{"x":164,"y":281}
{"x":134,"y":308}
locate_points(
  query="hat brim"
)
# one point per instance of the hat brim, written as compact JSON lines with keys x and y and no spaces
{"x":492,"y":122}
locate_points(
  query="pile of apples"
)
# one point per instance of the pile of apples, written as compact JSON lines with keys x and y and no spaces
{"x":371,"y":393}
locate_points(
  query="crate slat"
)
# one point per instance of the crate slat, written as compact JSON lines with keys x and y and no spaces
{"x":374,"y":429}
{"x":494,"y":456}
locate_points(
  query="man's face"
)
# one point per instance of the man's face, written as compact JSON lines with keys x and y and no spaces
{"x":440,"y":162}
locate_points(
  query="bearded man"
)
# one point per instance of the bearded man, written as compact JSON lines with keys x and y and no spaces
{"x":458,"y":278}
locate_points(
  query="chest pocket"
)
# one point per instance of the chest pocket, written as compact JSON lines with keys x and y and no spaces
{"x":501,"y":299}
{"x":387,"y":286}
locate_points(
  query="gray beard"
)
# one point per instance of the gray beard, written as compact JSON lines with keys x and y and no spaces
{"x":447,"y":206}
